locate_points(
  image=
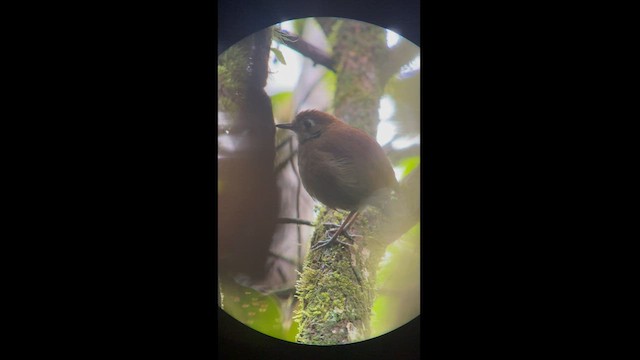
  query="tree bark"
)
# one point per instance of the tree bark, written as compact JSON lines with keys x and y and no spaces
{"x":247,"y":192}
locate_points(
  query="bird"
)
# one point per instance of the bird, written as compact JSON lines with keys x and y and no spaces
{"x":341,"y":166}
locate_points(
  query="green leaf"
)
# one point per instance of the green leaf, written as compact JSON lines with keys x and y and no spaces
{"x":281,"y":98}
{"x":257,"y":311}
{"x":298,"y":25}
{"x":330,"y":79}
{"x":279,"y":55}
{"x":398,"y":284}
{"x":282,"y":104}
{"x":409,"y":164}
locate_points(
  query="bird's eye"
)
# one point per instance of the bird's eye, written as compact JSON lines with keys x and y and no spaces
{"x":307,"y":123}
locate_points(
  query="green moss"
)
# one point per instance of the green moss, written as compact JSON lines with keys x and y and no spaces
{"x":232,"y":74}
{"x":332,"y":293}
{"x":358,"y":50}
{"x":230,"y":65}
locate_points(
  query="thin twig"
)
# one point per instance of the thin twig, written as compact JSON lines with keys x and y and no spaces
{"x":294,"y":221}
{"x":280,"y":257}
{"x":293,"y":166}
{"x":281,"y":165}
{"x":284,"y":142}
{"x":296,"y":43}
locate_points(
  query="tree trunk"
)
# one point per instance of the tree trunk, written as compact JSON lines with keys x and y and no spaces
{"x":247,"y":192}
{"x":337,"y":286}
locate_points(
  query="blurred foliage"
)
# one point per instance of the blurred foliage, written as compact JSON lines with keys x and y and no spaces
{"x":408,"y":164}
{"x":298,"y":25}
{"x":231,"y":74}
{"x":259,"y":312}
{"x":398,"y":284}
{"x":407,"y":101}
{"x":329,"y":79}
{"x":282,"y":104}
{"x":279,"y":55}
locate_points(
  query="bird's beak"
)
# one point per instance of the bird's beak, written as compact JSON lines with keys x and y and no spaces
{"x":285,"y":126}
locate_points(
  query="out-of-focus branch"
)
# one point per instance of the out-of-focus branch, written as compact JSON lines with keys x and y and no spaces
{"x":294,"y":221}
{"x":326,"y":23}
{"x":397,"y":155}
{"x":281,"y":165}
{"x":318,"y":56}
{"x":284,"y":142}
{"x":247,"y":189}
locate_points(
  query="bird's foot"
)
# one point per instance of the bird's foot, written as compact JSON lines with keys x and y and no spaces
{"x":321,"y":243}
{"x":332,"y":235}
{"x":346,"y":234}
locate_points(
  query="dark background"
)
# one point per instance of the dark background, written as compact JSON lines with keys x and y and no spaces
{"x":128,"y":190}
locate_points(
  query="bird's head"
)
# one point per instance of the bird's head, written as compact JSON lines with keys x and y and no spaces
{"x":310,"y":124}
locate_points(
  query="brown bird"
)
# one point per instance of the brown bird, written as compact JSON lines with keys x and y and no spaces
{"x":341,"y":166}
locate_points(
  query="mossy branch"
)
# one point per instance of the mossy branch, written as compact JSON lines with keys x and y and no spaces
{"x":336,"y":289}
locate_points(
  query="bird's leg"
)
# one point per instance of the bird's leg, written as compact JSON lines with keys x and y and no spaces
{"x":348,"y":222}
{"x":342,"y":229}
{"x":347,"y":225}
{"x":353,"y":218}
